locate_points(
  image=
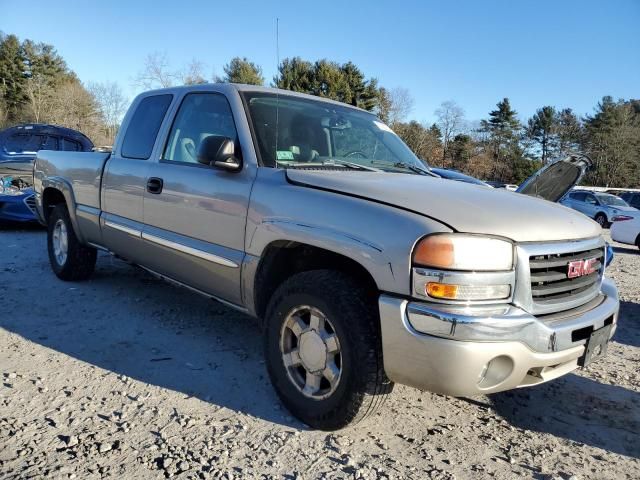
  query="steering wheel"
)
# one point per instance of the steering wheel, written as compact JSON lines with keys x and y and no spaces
{"x":356,"y":152}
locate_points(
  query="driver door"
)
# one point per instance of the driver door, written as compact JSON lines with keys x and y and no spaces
{"x":194,"y":214}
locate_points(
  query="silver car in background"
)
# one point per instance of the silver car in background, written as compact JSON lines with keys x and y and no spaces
{"x":604,"y":208}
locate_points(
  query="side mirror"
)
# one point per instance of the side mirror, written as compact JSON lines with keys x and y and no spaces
{"x":219,"y":152}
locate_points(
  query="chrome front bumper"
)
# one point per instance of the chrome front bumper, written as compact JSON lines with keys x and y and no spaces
{"x":474,"y":350}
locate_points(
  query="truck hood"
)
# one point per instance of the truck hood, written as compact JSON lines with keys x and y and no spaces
{"x":463,"y":207}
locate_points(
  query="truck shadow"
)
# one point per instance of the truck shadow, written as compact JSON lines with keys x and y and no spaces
{"x":20,"y":226}
{"x":579,"y":409}
{"x":628,"y":331}
{"x":127,"y":322}
{"x":632,"y":250}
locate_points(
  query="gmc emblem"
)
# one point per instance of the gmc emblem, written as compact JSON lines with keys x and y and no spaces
{"x":580,"y":268}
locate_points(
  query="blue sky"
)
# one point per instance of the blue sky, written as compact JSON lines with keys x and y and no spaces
{"x":565,"y":53}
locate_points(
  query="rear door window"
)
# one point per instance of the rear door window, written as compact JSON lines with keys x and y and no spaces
{"x":24,"y":143}
{"x":51,"y":143}
{"x":578,"y":196}
{"x":144,"y":125}
{"x":70,"y":145}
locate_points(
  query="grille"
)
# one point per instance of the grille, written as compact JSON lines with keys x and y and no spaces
{"x":550,"y":282}
{"x":30,"y":202}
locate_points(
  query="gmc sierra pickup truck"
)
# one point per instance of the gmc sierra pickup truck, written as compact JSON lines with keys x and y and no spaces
{"x":363,"y":268}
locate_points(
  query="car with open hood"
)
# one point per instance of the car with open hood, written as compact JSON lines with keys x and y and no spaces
{"x":362,"y":267}
{"x":18,"y":148}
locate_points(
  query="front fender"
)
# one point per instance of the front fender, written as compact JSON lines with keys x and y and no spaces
{"x":369,"y":255}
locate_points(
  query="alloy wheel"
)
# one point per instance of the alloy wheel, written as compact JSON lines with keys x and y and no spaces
{"x":311,"y":352}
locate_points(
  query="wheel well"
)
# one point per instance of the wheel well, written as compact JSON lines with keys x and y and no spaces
{"x":50,"y":198}
{"x":282,"y":259}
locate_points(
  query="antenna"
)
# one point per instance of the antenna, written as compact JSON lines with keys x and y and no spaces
{"x":277,"y":91}
{"x":278,"y":42}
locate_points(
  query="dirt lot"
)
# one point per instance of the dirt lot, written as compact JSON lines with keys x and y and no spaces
{"x":125,"y":376}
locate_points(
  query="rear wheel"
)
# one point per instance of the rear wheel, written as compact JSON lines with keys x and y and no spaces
{"x":70,"y":260}
{"x":323,"y":349}
{"x":601,"y":218}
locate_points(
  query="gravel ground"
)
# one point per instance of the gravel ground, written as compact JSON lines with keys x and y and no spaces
{"x":125,"y":376}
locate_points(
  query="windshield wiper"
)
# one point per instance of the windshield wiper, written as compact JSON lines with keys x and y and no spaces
{"x":353,"y":165}
{"x":329,"y":163}
{"x":406,"y":166}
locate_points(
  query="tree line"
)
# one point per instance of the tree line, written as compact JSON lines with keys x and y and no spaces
{"x":36,"y":85}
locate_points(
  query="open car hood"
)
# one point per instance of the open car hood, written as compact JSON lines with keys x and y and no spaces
{"x":553,"y":181}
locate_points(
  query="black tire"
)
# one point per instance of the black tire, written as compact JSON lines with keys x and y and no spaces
{"x":80,"y":261}
{"x":353,"y":315}
{"x":601,"y":218}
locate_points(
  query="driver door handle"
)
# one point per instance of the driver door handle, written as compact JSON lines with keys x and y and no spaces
{"x":154,"y":185}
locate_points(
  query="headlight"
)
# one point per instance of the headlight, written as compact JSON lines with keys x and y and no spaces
{"x":456,"y":251}
{"x":10,"y":191}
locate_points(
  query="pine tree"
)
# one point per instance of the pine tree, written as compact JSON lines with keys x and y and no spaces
{"x":324,"y":78}
{"x":503,"y":129}
{"x":12,"y":75}
{"x":241,"y":70}
{"x":542,"y":130}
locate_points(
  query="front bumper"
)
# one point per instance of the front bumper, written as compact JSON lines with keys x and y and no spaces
{"x":17,"y":208}
{"x":464,"y":351}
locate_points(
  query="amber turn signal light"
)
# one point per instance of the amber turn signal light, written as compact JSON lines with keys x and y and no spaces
{"x":442,"y":290}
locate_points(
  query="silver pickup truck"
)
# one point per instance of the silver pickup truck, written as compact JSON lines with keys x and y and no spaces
{"x":363,"y":268}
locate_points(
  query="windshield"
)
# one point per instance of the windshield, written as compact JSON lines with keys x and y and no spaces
{"x":612,"y":200}
{"x":294,"y":132}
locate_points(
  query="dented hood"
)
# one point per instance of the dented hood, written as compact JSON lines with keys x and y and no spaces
{"x":463,"y":207}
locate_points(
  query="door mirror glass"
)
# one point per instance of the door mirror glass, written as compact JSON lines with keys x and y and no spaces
{"x":219,"y":152}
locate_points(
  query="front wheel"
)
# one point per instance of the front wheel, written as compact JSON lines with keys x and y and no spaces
{"x":70,"y":260}
{"x":323,"y":349}
{"x":601,"y":218}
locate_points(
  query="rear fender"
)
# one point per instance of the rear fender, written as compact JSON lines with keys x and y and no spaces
{"x":64,"y":187}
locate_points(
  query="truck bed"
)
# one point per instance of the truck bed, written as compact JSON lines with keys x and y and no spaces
{"x":82,"y":169}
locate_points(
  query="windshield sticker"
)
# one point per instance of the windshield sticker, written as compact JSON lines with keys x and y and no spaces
{"x":382,"y":126}
{"x":284,"y":155}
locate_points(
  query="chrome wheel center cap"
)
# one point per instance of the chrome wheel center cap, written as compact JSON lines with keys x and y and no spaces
{"x":313,"y":351}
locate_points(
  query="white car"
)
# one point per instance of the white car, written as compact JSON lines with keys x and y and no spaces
{"x":626,"y":230}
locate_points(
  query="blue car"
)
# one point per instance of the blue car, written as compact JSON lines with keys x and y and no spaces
{"x":604,"y":208}
{"x":16,"y":204}
{"x":18,"y":148}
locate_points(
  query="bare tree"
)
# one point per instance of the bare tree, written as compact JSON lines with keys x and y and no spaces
{"x":156,"y":72}
{"x":4,"y":114}
{"x":74,"y":107}
{"x":395,"y":105}
{"x":39,"y":93}
{"x":193,"y":74}
{"x":451,"y":122}
{"x":112,"y":104}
